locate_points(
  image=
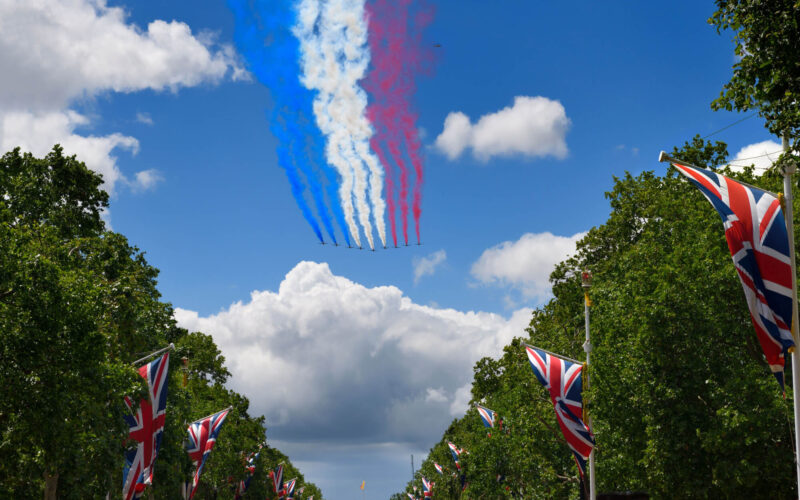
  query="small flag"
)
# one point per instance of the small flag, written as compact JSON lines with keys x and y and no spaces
{"x":438,"y":468}
{"x":202,"y":438}
{"x":146,"y":428}
{"x":759,"y":244}
{"x":427,"y":488}
{"x":363,"y":483}
{"x":562,"y":379}
{"x":288,"y":487}
{"x":277,"y":479}
{"x":250,"y":469}
{"x":487,"y":416}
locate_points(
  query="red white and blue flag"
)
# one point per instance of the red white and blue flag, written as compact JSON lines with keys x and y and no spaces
{"x":487,"y":416}
{"x":427,"y":488}
{"x":146,"y":427}
{"x":438,"y":468}
{"x":288,"y":488}
{"x":250,"y":470}
{"x":455,"y":451}
{"x":202,"y":438}
{"x":562,"y":379}
{"x":277,"y":480}
{"x":759,"y":244}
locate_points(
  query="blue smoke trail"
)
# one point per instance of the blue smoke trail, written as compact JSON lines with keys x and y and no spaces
{"x":265,"y":40}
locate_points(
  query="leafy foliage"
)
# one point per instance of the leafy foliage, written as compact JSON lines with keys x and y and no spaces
{"x":78,"y":305}
{"x":682,"y":401}
{"x":766,"y":76}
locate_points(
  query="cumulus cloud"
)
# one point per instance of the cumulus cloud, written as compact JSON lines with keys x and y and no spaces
{"x":57,"y":53}
{"x":38,"y":132}
{"x":325,"y":358}
{"x":146,"y":180}
{"x":533,"y":126}
{"x":761,"y":155}
{"x":426,"y":266}
{"x":525,"y":264}
{"x":144,"y":118}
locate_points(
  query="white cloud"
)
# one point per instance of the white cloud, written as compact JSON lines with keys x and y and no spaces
{"x":57,"y":53}
{"x":426,"y":266}
{"x":144,"y":118}
{"x":38,"y":132}
{"x":328,"y":359}
{"x":761,"y":155}
{"x":533,"y":126}
{"x":525,"y":264}
{"x":146,"y":180}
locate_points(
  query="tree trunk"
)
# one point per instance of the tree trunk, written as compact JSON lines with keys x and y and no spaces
{"x":50,"y":484}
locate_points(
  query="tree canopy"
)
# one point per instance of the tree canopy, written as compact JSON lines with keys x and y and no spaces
{"x":78,"y":304}
{"x":683,"y":403}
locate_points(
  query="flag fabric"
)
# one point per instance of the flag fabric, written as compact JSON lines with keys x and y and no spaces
{"x":277,"y":479}
{"x":202,"y":437}
{"x":759,"y":244}
{"x":487,"y":416}
{"x":145,"y":428}
{"x":411,"y":496}
{"x":438,"y":468}
{"x":562,"y":379}
{"x":427,"y":488}
{"x":456,"y":452}
{"x":250,"y":469}
{"x":288,"y":488}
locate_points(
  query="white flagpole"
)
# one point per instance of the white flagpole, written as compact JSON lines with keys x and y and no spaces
{"x":788,"y":168}
{"x":586,"y":283}
{"x":154,"y":353}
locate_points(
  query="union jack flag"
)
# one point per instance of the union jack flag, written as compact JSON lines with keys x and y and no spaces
{"x":438,"y":468}
{"x":487,"y":416}
{"x":411,"y":496}
{"x":277,"y":479}
{"x":427,"y":488}
{"x":202,"y":437}
{"x":562,"y":379}
{"x":250,"y":468}
{"x":146,"y":428}
{"x":456,"y":452}
{"x":288,"y":487}
{"x":759,"y":244}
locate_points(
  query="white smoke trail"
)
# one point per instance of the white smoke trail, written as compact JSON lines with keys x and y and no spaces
{"x":334,"y":57}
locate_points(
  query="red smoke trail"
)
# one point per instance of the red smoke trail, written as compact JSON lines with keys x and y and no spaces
{"x":397,"y":57}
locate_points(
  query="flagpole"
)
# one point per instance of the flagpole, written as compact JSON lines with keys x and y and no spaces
{"x":220,"y":411}
{"x":788,"y":168}
{"x":586,"y":283}
{"x":554,"y":354}
{"x":156,"y":353}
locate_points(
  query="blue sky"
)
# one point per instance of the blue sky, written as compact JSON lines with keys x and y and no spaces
{"x":356,"y":359}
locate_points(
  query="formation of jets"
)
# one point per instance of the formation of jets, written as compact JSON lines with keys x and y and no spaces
{"x":362,"y":248}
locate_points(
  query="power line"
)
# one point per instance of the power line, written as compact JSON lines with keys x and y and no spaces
{"x":731,"y":125}
{"x":754,"y":157}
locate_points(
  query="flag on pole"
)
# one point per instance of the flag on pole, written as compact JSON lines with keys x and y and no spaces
{"x":456,"y":452}
{"x":427,"y":488}
{"x":202,"y":437}
{"x":438,"y":468}
{"x":487,"y":416}
{"x":288,"y":488}
{"x":562,"y":379}
{"x":250,"y":469}
{"x":277,"y":479}
{"x":759,"y":244}
{"x":145,"y":428}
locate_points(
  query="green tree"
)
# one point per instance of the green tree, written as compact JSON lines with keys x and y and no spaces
{"x":683,"y":403}
{"x":78,"y":305}
{"x":766,"y":76}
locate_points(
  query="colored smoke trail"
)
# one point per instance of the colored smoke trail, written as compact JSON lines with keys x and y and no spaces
{"x":334,"y":57}
{"x":272,"y":53}
{"x":397,"y":57}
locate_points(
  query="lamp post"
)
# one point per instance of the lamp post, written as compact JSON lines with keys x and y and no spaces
{"x":586,"y":283}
